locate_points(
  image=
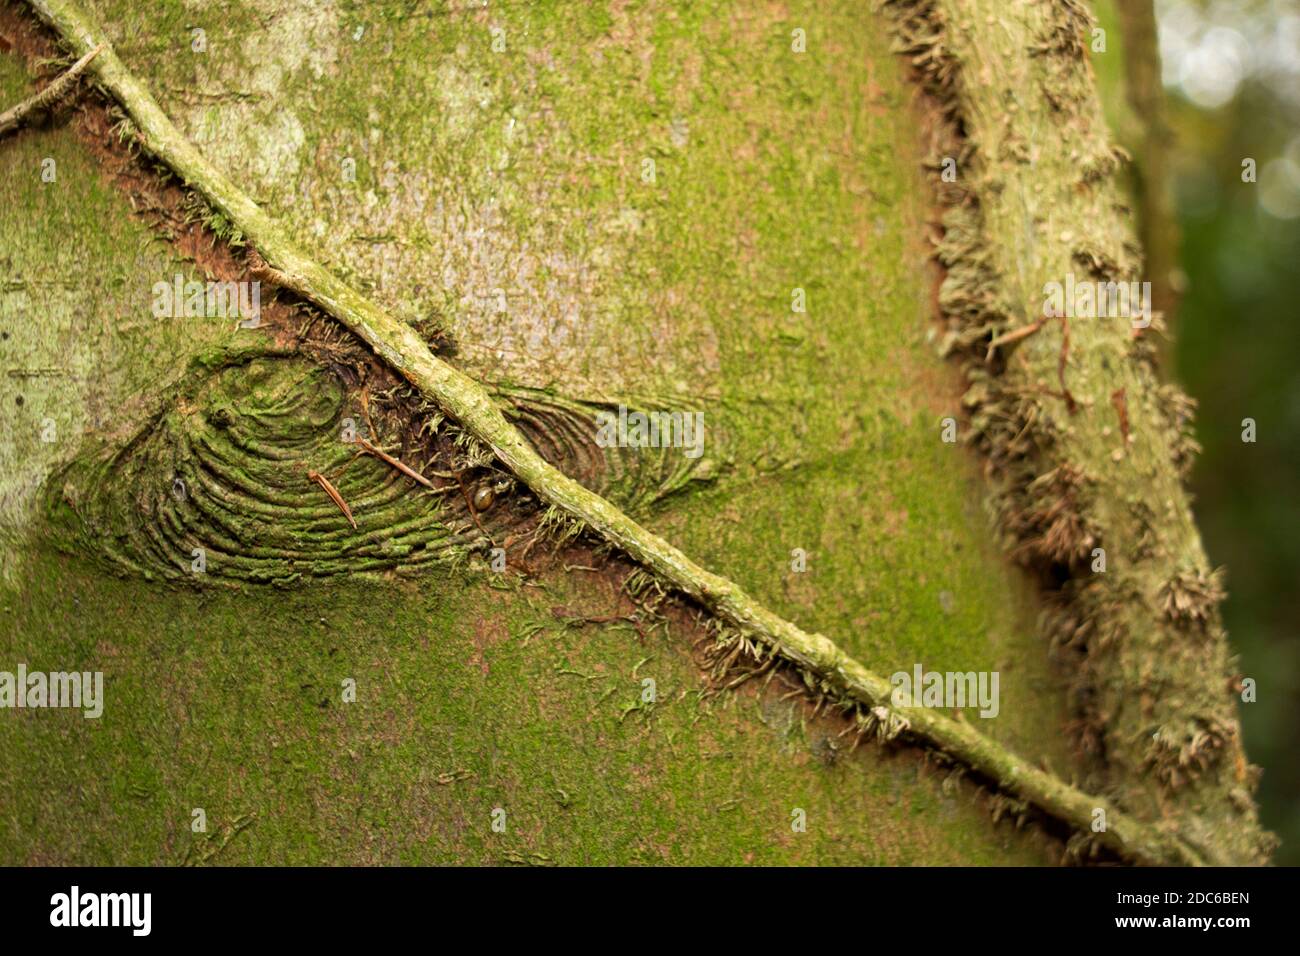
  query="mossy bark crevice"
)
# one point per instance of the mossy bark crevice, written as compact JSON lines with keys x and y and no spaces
{"x":474,"y":409}
{"x":223,"y":468}
{"x":217,"y":487}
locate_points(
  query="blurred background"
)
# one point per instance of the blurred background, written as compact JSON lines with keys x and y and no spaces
{"x":1213,"y":122}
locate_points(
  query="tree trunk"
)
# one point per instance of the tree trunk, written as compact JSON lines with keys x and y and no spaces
{"x":825,"y":232}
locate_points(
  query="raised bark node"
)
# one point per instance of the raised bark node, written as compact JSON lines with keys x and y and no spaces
{"x":217,"y":487}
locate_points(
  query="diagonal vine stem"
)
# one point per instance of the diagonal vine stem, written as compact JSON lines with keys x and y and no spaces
{"x":465,"y":400}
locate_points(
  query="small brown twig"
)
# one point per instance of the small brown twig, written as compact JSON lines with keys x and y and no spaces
{"x":1015,"y":335}
{"x":365,"y":410}
{"x":50,"y":96}
{"x":334,"y":495}
{"x":400,"y":466}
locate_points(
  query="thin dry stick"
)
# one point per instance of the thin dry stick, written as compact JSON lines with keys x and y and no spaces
{"x":469,"y":403}
{"x":1015,"y":335}
{"x":50,"y":96}
{"x":400,"y":466}
{"x":334,"y":496}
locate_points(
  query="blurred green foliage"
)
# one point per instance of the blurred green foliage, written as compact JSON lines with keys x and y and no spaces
{"x":1237,"y":345}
